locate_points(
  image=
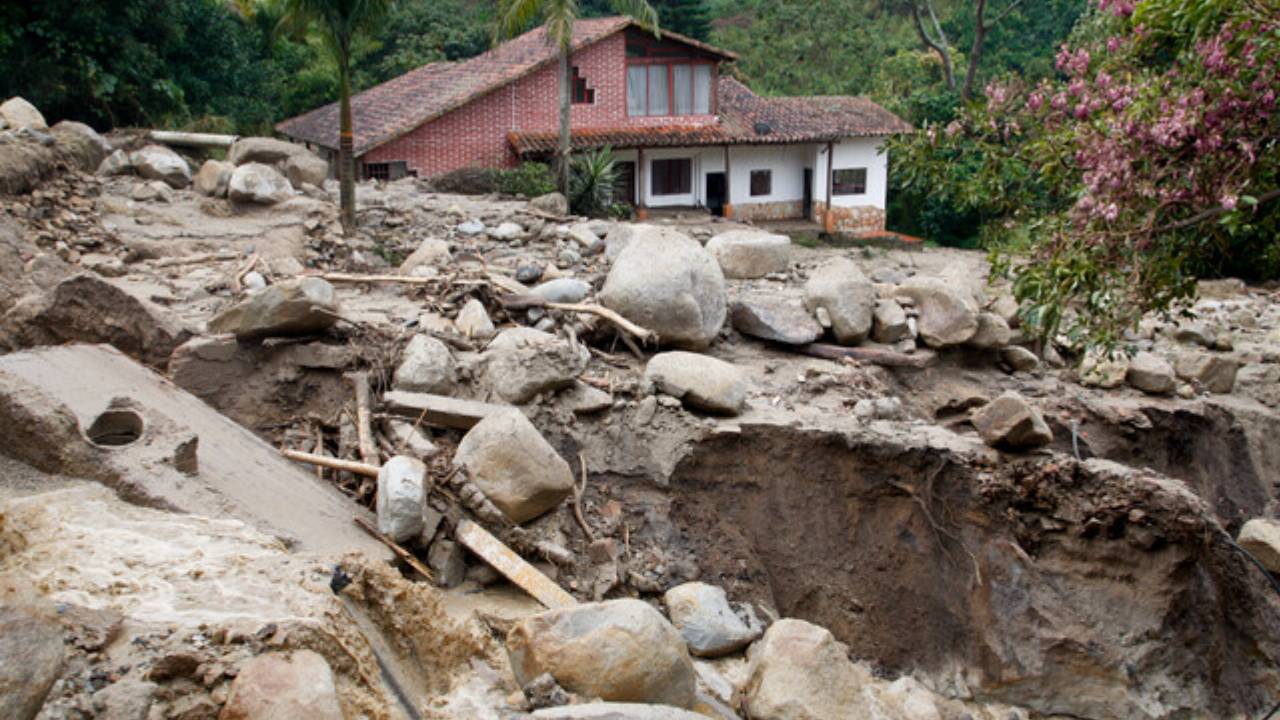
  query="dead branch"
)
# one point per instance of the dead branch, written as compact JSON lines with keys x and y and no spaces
{"x":364,"y":426}
{"x":355,"y":468}
{"x":223,"y":256}
{"x":524,"y":302}
{"x":359,"y":278}
{"x":578,"y":490}
{"x":875,"y":356}
{"x":400,"y":552}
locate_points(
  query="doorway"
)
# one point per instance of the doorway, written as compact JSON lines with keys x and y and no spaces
{"x":807,"y":206}
{"x":716,"y":187}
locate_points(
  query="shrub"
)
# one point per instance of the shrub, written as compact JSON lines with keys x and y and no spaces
{"x":467,"y":181}
{"x":591,"y":183}
{"x":530,"y":179}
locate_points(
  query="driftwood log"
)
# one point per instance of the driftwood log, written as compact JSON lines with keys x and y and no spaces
{"x":875,"y":356}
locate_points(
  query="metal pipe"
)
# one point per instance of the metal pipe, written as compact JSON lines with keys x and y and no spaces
{"x":205,"y":140}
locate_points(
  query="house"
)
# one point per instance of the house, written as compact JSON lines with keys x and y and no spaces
{"x":684,"y":132}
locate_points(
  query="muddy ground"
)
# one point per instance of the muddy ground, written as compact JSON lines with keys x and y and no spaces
{"x":1091,"y":578}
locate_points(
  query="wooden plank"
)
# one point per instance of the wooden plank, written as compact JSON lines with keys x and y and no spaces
{"x":876,"y":356}
{"x":439,"y":410}
{"x":355,"y":468}
{"x":513,"y":567}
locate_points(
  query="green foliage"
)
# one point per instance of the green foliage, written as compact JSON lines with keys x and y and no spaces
{"x":592,"y":182}
{"x":529,"y":179}
{"x":421,"y":32}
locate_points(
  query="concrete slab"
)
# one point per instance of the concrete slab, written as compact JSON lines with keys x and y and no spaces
{"x":226,"y":472}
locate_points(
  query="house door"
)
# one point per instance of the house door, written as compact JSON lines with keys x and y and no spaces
{"x":807,"y":207}
{"x":624,"y":189}
{"x":716,"y":193}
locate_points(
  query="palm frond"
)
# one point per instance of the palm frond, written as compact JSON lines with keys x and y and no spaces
{"x":516,"y":16}
{"x":641,"y":11}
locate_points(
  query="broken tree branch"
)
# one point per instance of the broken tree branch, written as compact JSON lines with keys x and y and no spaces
{"x":364,"y":424}
{"x":578,"y":490}
{"x":524,"y":302}
{"x":400,"y":552}
{"x":355,"y":468}
{"x":875,"y":356}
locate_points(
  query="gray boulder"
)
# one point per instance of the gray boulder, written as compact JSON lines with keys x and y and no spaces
{"x":306,"y":169}
{"x":269,"y":151}
{"x":514,"y":466}
{"x":563,"y":290}
{"x":430,"y":253}
{"x":889,"y":323}
{"x":522,"y":362}
{"x":665,"y":281}
{"x":551,"y":203}
{"x":1011,"y":422}
{"x":775,"y":321}
{"x":947,"y":316}
{"x":1214,"y":373}
{"x":702,"y":614}
{"x":473,"y":321}
{"x":157,"y":162}
{"x":470,"y":227}
{"x":117,"y":163}
{"x":294,"y":307}
{"x":506,"y":231}
{"x":845,"y":296}
{"x":750,"y":253}
{"x":700,"y":381}
{"x":19,"y":114}
{"x":799,"y":672}
{"x":294,"y":685}
{"x":619,"y":650}
{"x":993,"y":333}
{"x":401,"y":494}
{"x":213,"y":178}
{"x":1019,"y":358}
{"x":31,"y":658}
{"x":1151,"y":374}
{"x":258,"y":183}
{"x":426,"y":366}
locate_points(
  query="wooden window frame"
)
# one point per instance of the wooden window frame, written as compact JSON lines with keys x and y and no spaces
{"x":857,"y":186}
{"x":671,"y":62}
{"x":685,"y":185}
{"x":582,"y":94}
{"x":766,"y":178}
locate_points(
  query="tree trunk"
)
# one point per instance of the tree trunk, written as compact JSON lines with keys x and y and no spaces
{"x":940,"y":46}
{"x":346,"y":147}
{"x":975,"y":54}
{"x":566,"y":104}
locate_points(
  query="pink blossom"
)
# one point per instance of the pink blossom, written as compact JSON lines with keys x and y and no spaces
{"x":1229,"y":201}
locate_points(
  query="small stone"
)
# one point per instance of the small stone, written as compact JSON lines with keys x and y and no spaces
{"x":1011,"y":422}
{"x":473,"y":321}
{"x":583,"y":399}
{"x":702,"y":614}
{"x":1214,"y":373}
{"x":297,"y":685}
{"x":157,"y":162}
{"x":1151,"y":374}
{"x":1020,"y":358}
{"x":401,"y":494}
{"x":448,"y":562}
{"x":470,"y":228}
{"x":254,"y":281}
{"x":567,"y":258}
{"x":552,"y":203}
{"x":562,"y":290}
{"x":701,"y":381}
{"x":427,"y":366}
{"x":528,"y":274}
{"x":214,"y":178}
{"x":1195,"y":333}
{"x":430,"y":253}
{"x":409,"y":439}
{"x":889,"y":323}
{"x":993,"y":333}
{"x":506,"y":231}
{"x":1097,"y":369}
{"x":1261,"y":537}
{"x":295,"y":307}
{"x":117,"y":163}
{"x":774,"y":320}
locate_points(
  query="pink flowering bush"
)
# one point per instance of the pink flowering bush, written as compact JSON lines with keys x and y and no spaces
{"x":1152,"y":159}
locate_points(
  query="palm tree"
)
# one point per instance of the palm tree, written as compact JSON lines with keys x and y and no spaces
{"x":558,"y":16}
{"x":339,"y":22}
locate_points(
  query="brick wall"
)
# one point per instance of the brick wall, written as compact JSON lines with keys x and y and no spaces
{"x":851,"y":220}
{"x":476,"y":134}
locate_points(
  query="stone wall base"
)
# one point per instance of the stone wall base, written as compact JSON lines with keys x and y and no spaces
{"x":764,"y":211}
{"x":850,"y":220}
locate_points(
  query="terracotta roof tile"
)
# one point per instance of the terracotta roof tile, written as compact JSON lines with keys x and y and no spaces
{"x":387,"y":111}
{"x":745,"y":119}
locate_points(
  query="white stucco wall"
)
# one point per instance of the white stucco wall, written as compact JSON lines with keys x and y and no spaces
{"x":860,"y":152}
{"x":787,"y":162}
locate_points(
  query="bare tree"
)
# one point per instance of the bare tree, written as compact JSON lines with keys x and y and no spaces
{"x":980,"y":29}
{"x":936,"y":42}
{"x":924,"y":17}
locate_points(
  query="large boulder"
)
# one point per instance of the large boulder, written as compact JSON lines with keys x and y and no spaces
{"x":749,"y":254}
{"x":700,"y":381}
{"x":619,"y":650}
{"x":523,"y":362}
{"x":31,"y":658}
{"x":431,"y":252}
{"x":297,"y":685}
{"x":1214,"y":373}
{"x":295,"y":307}
{"x":947,"y":315}
{"x":993,"y":333}
{"x":845,"y":296}
{"x":269,"y":151}
{"x":1011,"y":422}
{"x":258,"y":183}
{"x":214,"y":178}
{"x":665,"y":281}
{"x":157,"y":162}
{"x":706,"y":621}
{"x":18,"y":113}
{"x":799,"y":672}
{"x":1261,"y":537}
{"x":401,"y":495}
{"x":775,"y":321}
{"x":426,"y":366}
{"x":306,"y":169}
{"x":1151,"y":374}
{"x":889,"y":322}
{"x":514,"y":466}
{"x":87,"y":308}
{"x":552,"y":203}
{"x":81,"y":145}
{"x":117,"y":163}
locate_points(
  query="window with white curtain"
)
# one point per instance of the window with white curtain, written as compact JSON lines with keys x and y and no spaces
{"x":637,"y":81}
{"x":659,"y":97}
{"x":702,"y":89}
{"x":682,"y":76}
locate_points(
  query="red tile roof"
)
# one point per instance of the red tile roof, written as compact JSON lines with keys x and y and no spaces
{"x":387,"y":111}
{"x":745,"y":119}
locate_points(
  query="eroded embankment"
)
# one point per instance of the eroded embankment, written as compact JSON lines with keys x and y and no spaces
{"x":1082,"y":589}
